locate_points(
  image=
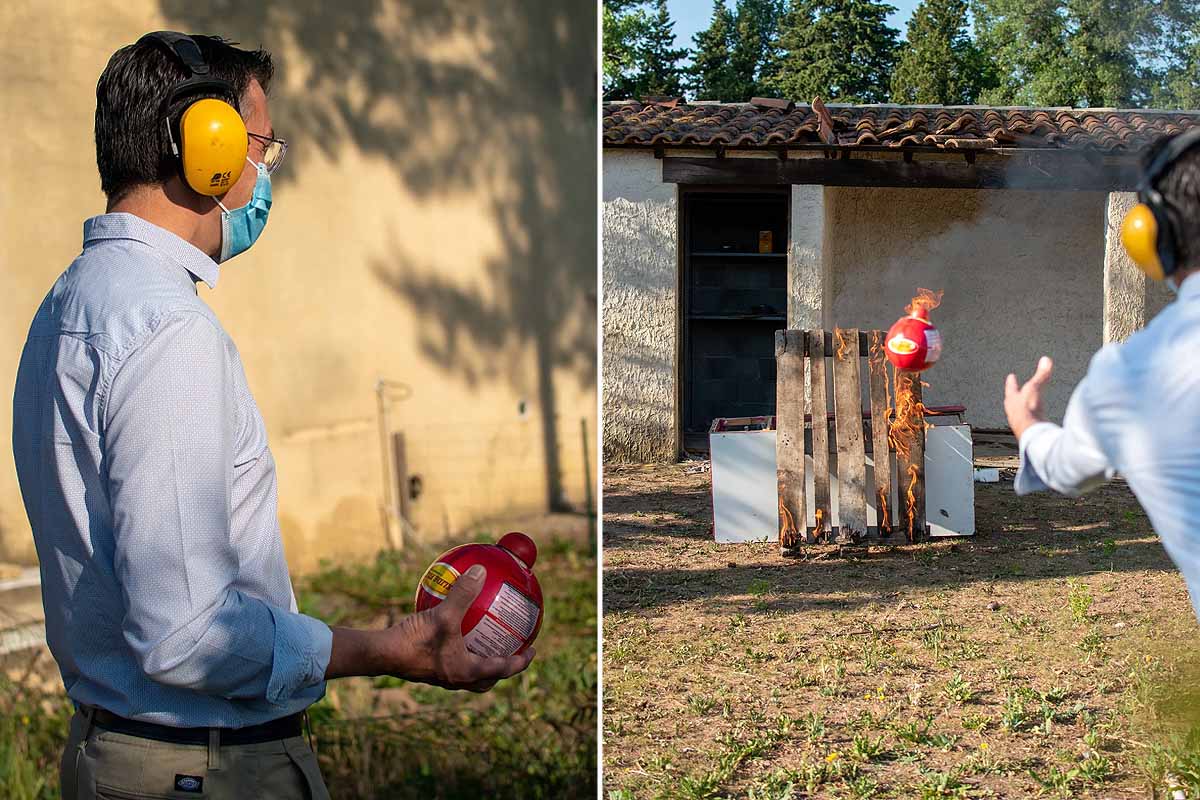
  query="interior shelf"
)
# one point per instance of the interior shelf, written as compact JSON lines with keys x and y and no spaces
{"x":730,"y":253}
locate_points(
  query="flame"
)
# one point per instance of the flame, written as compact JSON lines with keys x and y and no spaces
{"x":926,"y":299}
{"x":911,"y":499}
{"x":909,"y":419}
{"x":787,"y":526}
{"x":878,"y":365}
{"x":819,"y":535}
{"x":842,"y":343}
{"x":885,"y":514}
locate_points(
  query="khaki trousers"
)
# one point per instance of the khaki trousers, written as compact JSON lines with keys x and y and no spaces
{"x":102,"y":765}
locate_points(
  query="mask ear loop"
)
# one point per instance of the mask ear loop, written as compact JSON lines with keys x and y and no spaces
{"x":256,"y":170}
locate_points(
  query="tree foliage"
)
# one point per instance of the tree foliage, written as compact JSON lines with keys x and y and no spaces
{"x":938,"y":62}
{"x":1082,"y":53}
{"x":658,"y":71}
{"x":755,"y":42}
{"x":842,"y":50}
{"x":712,"y":75}
{"x":626,"y":24}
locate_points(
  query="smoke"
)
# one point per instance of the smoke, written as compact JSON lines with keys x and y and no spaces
{"x":1021,"y":272}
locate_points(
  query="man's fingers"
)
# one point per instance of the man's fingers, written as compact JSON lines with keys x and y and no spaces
{"x":498,"y":668}
{"x":1010,"y":385}
{"x":464,"y":590}
{"x":1044,"y":369}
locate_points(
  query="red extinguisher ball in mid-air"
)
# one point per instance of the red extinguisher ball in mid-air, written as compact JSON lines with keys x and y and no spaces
{"x":913,"y":343}
{"x":507,"y":615}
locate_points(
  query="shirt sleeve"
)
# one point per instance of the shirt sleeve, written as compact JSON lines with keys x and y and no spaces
{"x":1066,"y":458}
{"x":171,"y":425}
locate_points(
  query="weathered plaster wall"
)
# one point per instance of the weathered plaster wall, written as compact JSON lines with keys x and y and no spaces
{"x":434,"y":224}
{"x":808,"y":253}
{"x":1022,"y":272}
{"x":639,"y":280}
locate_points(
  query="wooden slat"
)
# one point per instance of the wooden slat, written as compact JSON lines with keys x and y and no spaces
{"x":1054,"y":171}
{"x":911,"y":465}
{"x":880,"y":416}
{"x":820,"y":433}
{"x":852,"y":459}
{"x":789,"y":439}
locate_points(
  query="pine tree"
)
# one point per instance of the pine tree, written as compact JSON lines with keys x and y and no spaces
{"x":1072,"y":53}
{"x":625,"y":27}
{"x":658,"y":70}
{"x":842,"y":50}
{"x":712,"y":76}
{"x":939,"y":63}
{"x":756,"y":31}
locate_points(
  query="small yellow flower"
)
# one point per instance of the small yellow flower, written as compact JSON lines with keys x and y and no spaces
{"x":983,"y":745}
{"x":833,"y":756}
{"x":24,"y":720}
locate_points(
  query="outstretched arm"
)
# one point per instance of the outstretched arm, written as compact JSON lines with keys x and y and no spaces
{"x":1065,"y":458}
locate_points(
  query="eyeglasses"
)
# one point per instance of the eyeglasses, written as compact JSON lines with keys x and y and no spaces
{"x":273,"y":151}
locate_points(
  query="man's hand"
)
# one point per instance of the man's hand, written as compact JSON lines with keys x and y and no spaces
{"x":426,"y":646}
{"x":1023,"y":404}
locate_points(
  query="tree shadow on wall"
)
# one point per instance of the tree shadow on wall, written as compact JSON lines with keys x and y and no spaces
{"x":513,"y":121}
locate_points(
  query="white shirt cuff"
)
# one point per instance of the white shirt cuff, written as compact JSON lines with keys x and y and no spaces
{"x":1034,"y":445}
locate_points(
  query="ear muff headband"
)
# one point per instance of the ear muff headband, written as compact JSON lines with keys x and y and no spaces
{"x":1147,"y":232}
{"x":212,"y":140}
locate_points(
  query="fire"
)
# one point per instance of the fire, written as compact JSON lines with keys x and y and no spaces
{"x":787,"y":526}
{"x":885,"y":516}
{"x":911,"y":499}
{"x":842,"y":343}
{"x":909,"y":420}
{"x":820,"y":530}
{"x":926,"y":299}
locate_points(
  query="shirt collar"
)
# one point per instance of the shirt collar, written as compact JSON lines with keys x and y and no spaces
{"x":121,"y":225}
{"x":1190,"y":288}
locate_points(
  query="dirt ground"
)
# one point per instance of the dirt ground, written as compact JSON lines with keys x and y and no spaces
{"x":1023,"y":661}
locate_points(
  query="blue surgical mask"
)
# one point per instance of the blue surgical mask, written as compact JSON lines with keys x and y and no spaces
{"x":241,"y":227}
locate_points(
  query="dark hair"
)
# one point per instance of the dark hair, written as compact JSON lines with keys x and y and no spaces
{"x":132,"y":147}
{"x":1179,"y":185}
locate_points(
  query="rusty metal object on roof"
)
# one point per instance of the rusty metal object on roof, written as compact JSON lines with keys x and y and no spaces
{"x":772,"y":123}
{"x":824,"y":121}
{"x":664,"y":102}
{"x":787,"y":106}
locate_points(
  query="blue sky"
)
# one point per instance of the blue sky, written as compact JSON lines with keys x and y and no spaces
{"x":692,"y":16}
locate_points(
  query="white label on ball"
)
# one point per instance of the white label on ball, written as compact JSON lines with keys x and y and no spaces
{"x":490,"y":638}
{"x":933,"y":341}
{"x":506,"y":624}
{"x":515,"y":610}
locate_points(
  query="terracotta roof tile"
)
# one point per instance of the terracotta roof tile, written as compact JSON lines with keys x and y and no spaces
{"x":779,"y":123}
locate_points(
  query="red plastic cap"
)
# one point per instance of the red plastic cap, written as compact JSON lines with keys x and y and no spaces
{"x":520,"y":546}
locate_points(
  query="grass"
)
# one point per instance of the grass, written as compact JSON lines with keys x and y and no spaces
{"x":1026,"y":662}
{"x":533,"y":736}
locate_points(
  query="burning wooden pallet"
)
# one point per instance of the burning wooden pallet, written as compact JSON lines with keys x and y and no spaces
{"x":888,"y":427}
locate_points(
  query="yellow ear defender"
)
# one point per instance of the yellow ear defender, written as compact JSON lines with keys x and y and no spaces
{"x":1139,"y":235}
{"x":1146,"y":232}
{"x":212,"y":143}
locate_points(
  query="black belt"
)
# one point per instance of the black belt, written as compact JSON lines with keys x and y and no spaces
{"x":282,"y":728}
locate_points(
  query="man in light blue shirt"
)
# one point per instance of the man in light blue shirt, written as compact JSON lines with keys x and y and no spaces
{"x":150,"y":488}
{"x":1137,"y":411}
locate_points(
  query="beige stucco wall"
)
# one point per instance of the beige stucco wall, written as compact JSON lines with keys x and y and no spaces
{"x":1022,"y":274}
{"x":434,"y":225}
{"x":640,"y":278}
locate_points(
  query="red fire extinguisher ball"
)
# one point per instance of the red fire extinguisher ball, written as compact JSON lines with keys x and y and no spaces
{"x":507,"y":615}
{"x":913,"y":344}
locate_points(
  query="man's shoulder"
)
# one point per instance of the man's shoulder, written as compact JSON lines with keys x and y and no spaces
{"x":117,"y":293}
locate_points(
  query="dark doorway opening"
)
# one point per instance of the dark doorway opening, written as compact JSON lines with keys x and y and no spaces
{"x":734,"y":299}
